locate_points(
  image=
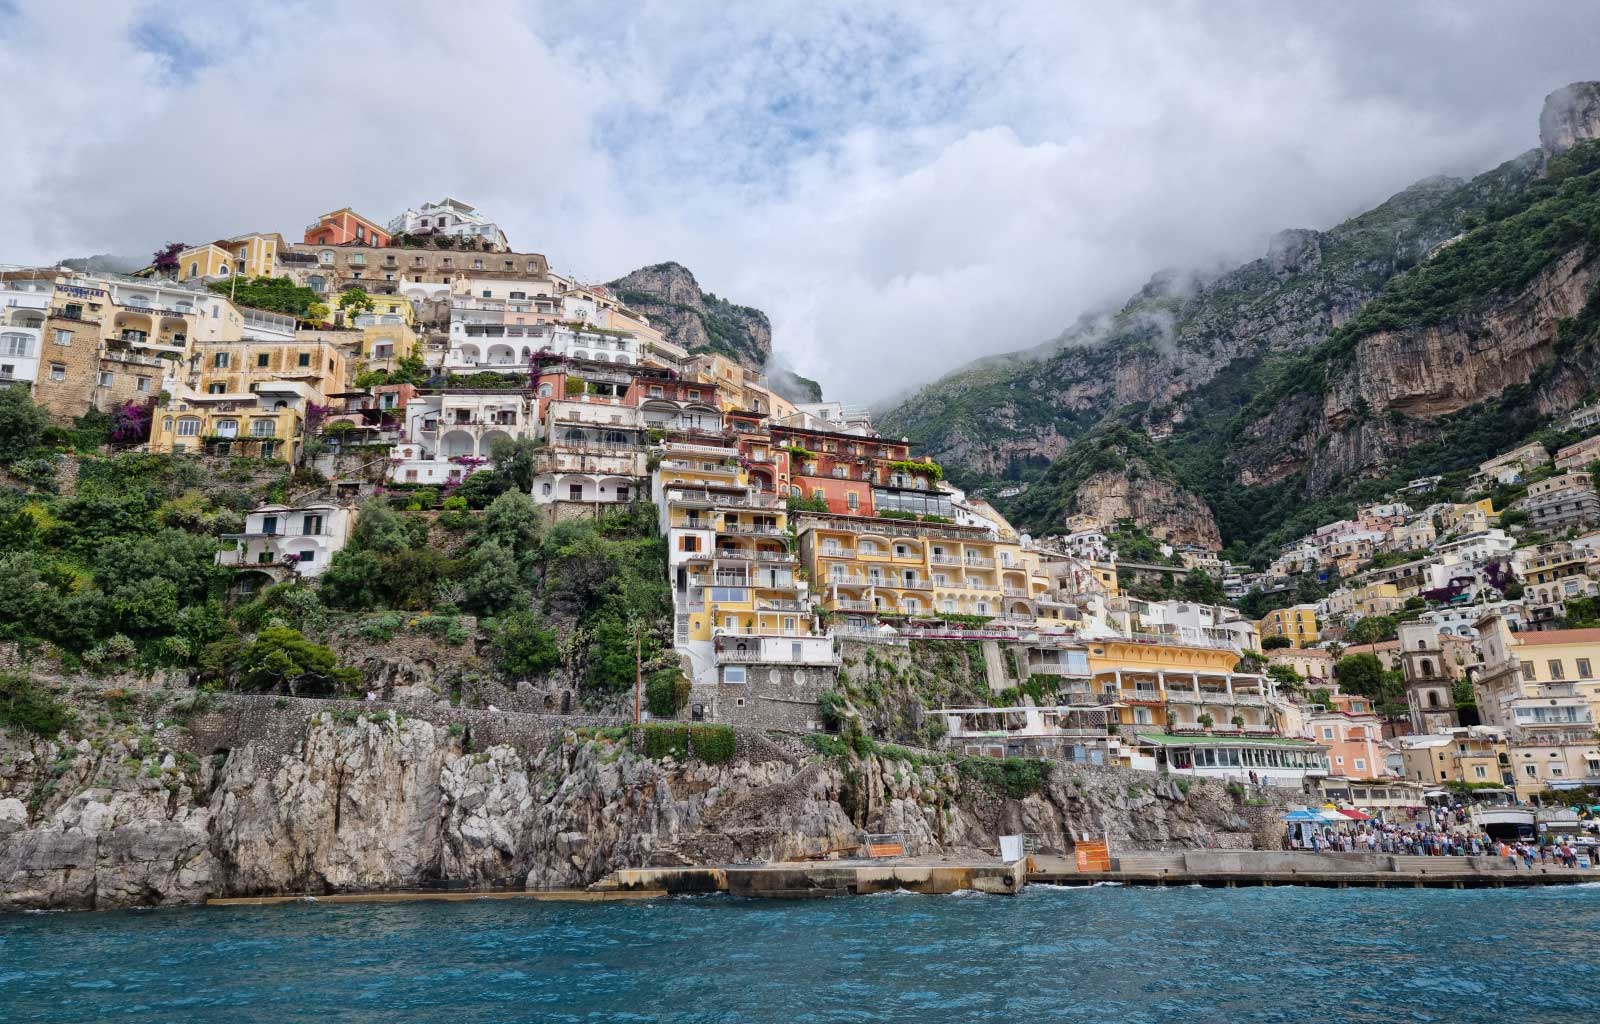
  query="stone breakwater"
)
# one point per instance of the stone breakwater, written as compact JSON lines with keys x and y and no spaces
{"x":260,"y":796}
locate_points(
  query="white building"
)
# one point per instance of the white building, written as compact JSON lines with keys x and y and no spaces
{"x":450,"y":435}
{"x":595,"y":452}
{"x":24,"y":304}
{"x":501,"y":346}
{"x":449,"y":217}
{"x":283,"y":541}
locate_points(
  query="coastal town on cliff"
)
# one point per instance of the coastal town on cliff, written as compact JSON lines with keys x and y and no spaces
{"x":389,"y":557}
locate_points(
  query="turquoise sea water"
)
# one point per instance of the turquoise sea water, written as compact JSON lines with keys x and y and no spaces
{"x":1107,"y":955}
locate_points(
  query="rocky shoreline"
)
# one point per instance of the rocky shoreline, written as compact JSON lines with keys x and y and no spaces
{"x":328,"y":800}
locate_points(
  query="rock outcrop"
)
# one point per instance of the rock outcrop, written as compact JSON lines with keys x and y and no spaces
{"x":1159,"y":507}
{"x":384,"y":801}
{"x":1571,"y":115}
{"x":669,"y":295}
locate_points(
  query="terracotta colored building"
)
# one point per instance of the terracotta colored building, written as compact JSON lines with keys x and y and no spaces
{"x":345,"y":227}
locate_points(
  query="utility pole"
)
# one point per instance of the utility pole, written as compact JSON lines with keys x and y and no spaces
{"x":638,"y":672}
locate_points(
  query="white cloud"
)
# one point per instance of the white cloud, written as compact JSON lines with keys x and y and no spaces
{"x":900,"y":193}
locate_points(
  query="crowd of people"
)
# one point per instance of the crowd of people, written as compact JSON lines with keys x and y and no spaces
{"x":1444,"y":831}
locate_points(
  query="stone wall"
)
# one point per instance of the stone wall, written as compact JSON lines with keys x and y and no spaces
{"x":273,"y":726}
{"x":780,"y":697}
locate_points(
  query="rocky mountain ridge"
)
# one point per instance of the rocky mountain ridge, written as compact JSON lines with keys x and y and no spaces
{"x":699,"y":321}
{"x":1288,"y":372}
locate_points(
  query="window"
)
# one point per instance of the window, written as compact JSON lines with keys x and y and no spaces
{"x":1584,"y":672}
{"x":269,"y":525}
{"x":1528,"y":672}
{"x":1554,"y":664}
{"x":188,"y":426}
{"x":1327,"y":732}
{"x":107,"y":379}
{"x":58,"y":371}
{"x":311,"y":526}
{"x":217,"y":389}
{"x":306,"y":557}
{"x":262,"y":359}
{"x":575,"y":492}
{"x":1480,"y":771}
{"x":1531,"y":770}
{"x":733,"y":674}
{"x":63,"y":338}
{"x":305,"y":359}
{"x":853,"y":500}
{"x":220,"y":360}
{"x":326,"y":256}
{"x":263,"y":428}
{"x":1361,"y":764}
{"x":143,"y":385}
{"x":14,"y":344}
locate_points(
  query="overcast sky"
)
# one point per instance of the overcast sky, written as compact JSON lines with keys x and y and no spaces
{"x":900,"y":190}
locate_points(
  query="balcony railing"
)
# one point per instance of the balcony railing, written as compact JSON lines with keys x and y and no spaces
{"x":751,"y":529}
{"x":754,"y":556}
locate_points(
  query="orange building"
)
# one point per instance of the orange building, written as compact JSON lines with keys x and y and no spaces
{"x":345,"y":227}
{"x":850,"y":472}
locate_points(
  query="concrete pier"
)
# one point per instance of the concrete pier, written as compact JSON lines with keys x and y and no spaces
{"x":1230,"y":868}
{"x":803,"y":879}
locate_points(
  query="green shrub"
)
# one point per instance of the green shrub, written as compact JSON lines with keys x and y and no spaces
{"x":27,"y":706}
{"x":1016,"y":777}
{"x":661,"y":740}
{"x":666,"y":692}
{"x":713,"y":744}
{"x":831,"y":709}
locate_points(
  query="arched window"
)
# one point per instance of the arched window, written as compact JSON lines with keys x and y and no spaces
{"x":326,"y":256}
{"x":194,"y":270}
{"x":1427,"y":667}
{"x":1433,"y":698}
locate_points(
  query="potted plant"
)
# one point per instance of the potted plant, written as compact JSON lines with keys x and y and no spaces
{"x":1238,"y":721}
{"x":1206,"y":721}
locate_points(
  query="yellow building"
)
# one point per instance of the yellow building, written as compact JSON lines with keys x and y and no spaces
{"x":252,"y":255}
{"x":1181,"y":706}
{"x":268,"y":423}
{"x":738,"y":386}
{"x":872,"y":565}
{"x":1474,"y":754}
{"x":733,"y":572}
{"x":1468,"y":517}
{"x":1297,"y":624}
{"x":1540,"y":688}
{"x":239,"y":367}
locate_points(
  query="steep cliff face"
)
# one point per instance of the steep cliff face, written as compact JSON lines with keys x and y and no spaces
{"x":1571,"y":115}
{"x":1159,"y":507}
{"x":382,"y":801}
{"x":669,"y":295}
{"x":1118,"y":474}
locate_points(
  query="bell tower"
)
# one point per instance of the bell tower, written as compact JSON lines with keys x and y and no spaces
{"x":1430,"y":694}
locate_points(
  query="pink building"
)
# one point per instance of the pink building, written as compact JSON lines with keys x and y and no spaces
{"x":1350,"y":727}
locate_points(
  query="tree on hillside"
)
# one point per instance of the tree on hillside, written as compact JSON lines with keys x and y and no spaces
{"x":1200,"y":587}
{"x":274,"y":294}
{"x":1372,"y":629}
{"x":1275,"y":643}
{"x":165,"y":259}
{"x":513,"y":459}
{"x":353,"y":302}
{"x":21,"y":423}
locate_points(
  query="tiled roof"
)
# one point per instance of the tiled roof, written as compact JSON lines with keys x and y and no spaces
{"x":1560,"y":636}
